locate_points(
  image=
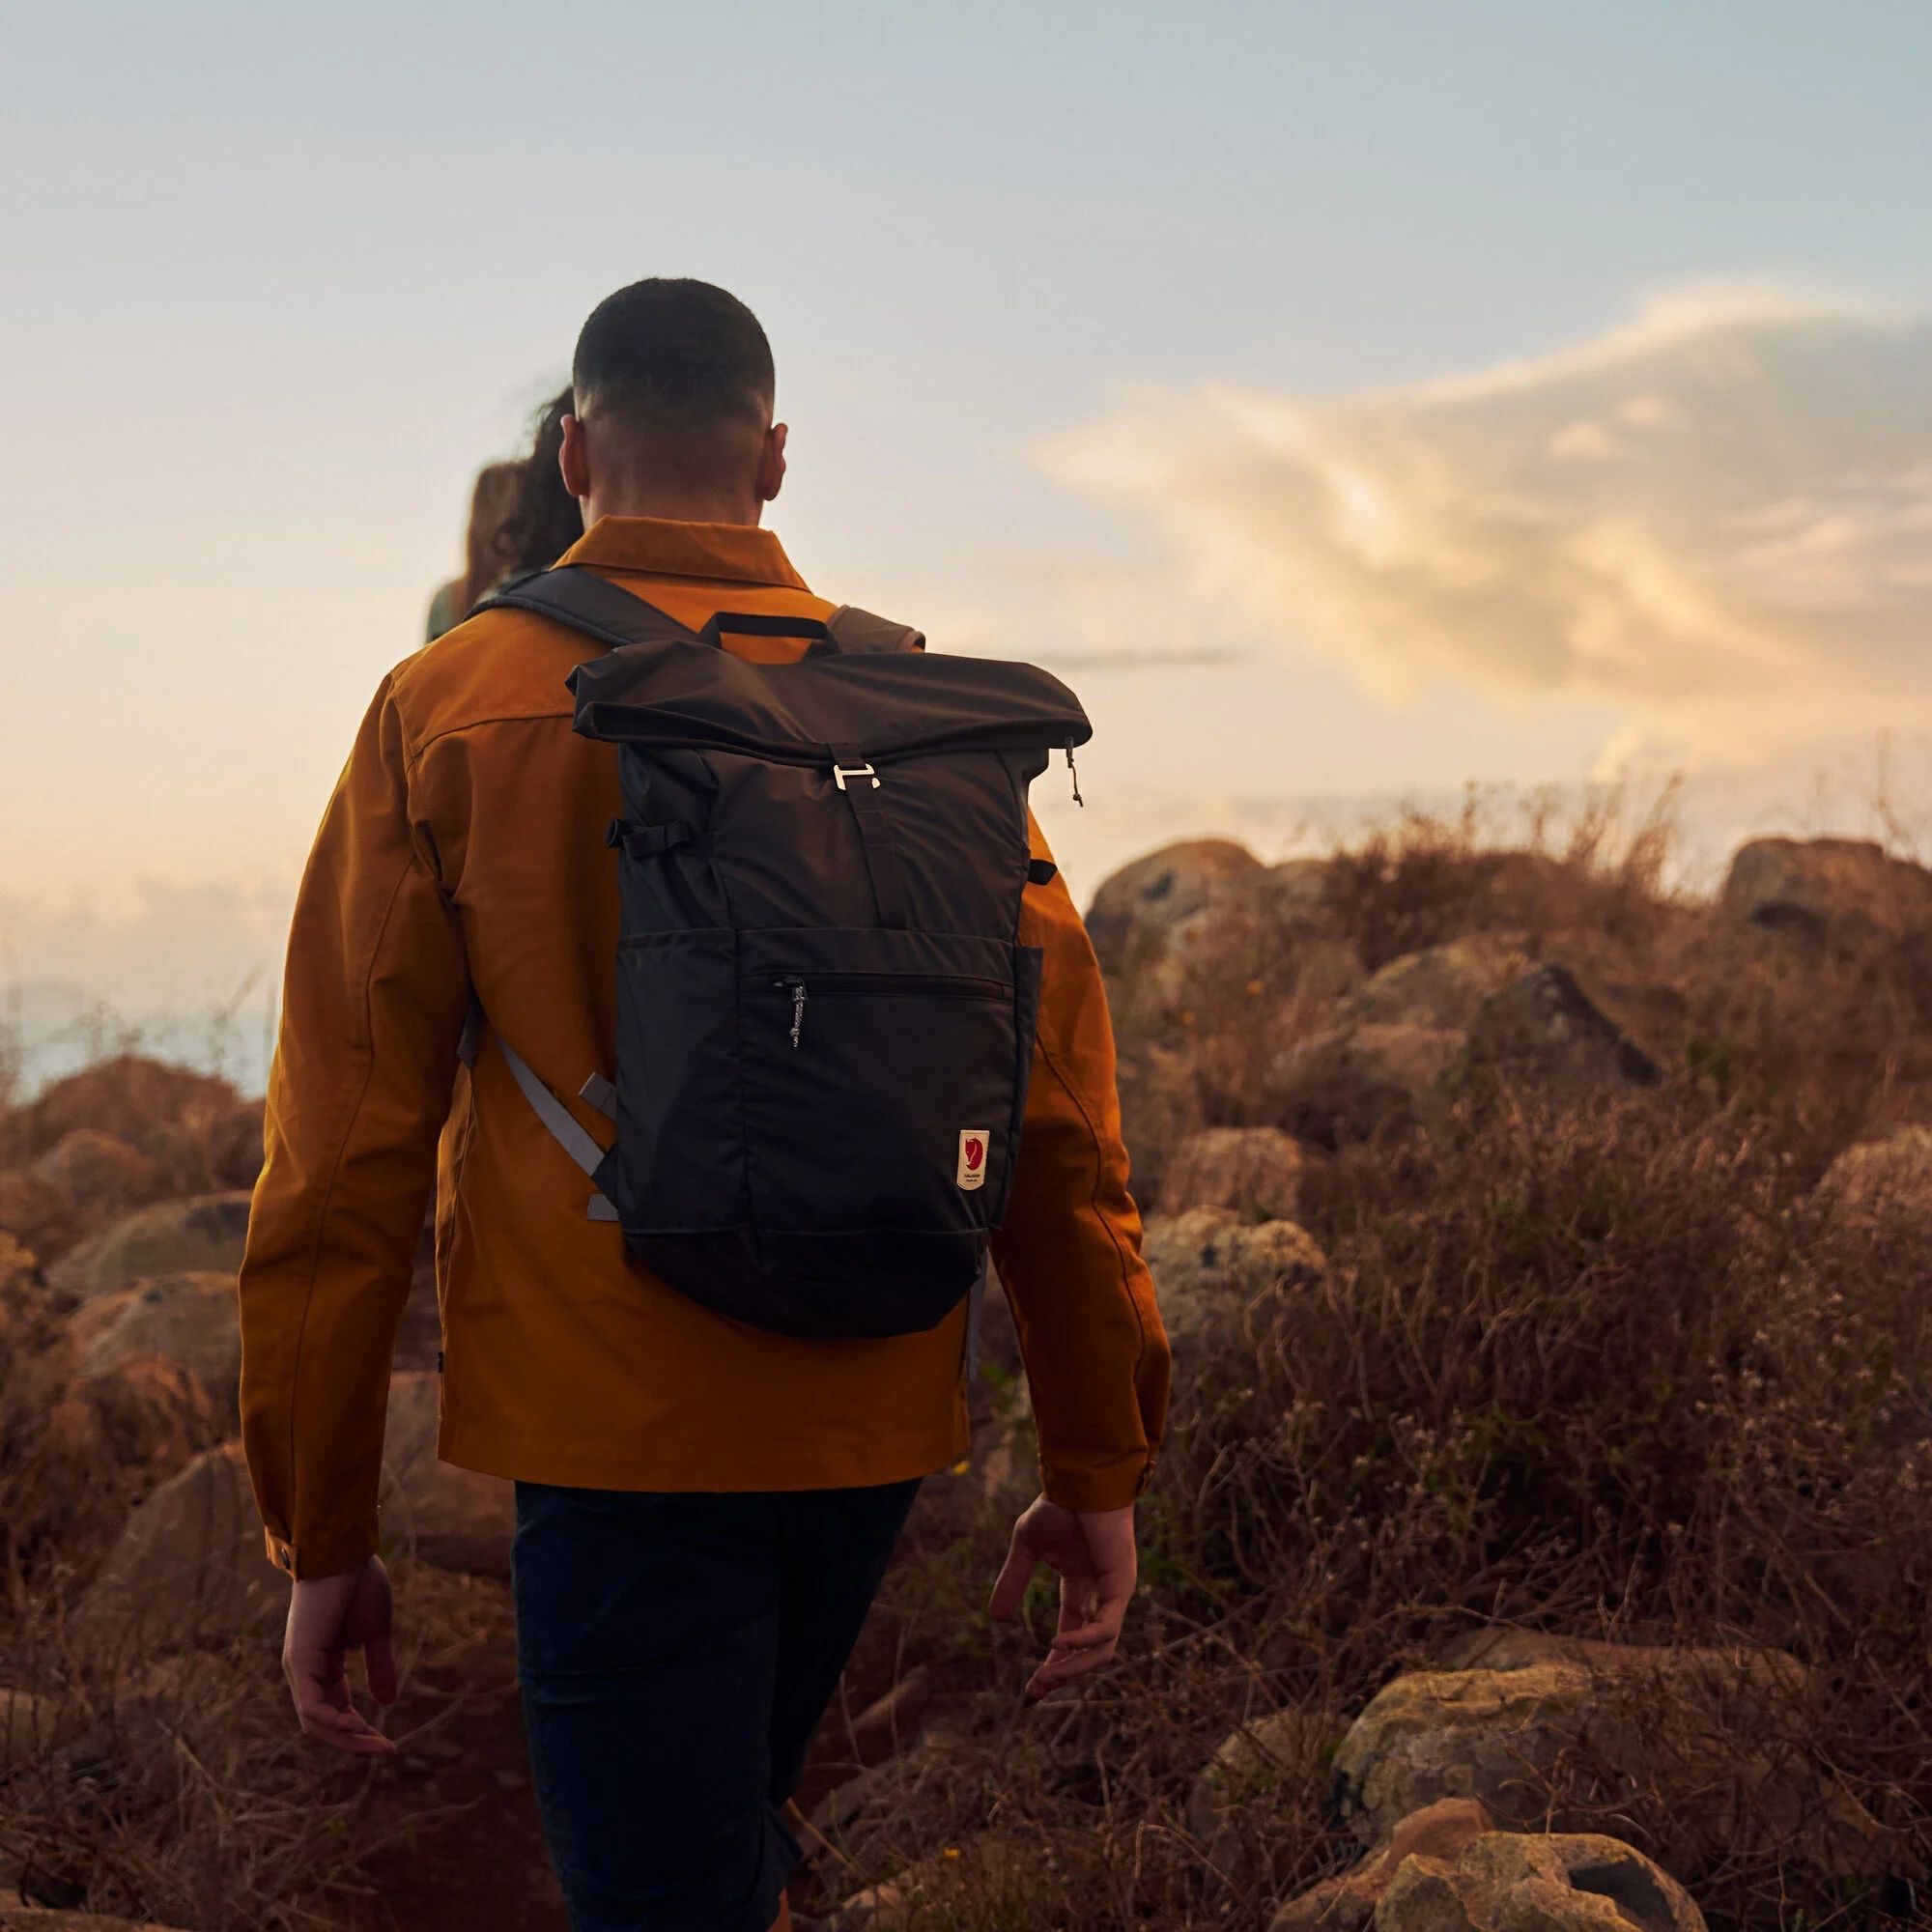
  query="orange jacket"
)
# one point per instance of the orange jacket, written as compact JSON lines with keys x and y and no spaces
{"x":464,"y":848}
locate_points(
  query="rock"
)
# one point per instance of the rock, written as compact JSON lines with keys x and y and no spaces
{"x":1257,"y":1173}
{"x":1160,"y":1106}
{"x":1503,"y":1882}
{"x":1546,"y":1028}
{"x":1348,"y":1902}
{"x":1141,"y":911}
{"x":149,"y":1415}
{"x":889,"y":1722}
{"x":456,"y":1518}
{"x":202,"y":1233}
{"x":100,"y":1170}
{"x":1347,"y":1083}
{"x":188,"y":1319}
{"x":1876,"y":1178}
{"x":859,"y":1817}
{"x":1504,"y":1647}
{"x":1719,"y":1735}
{"x":1482,"y":1734}
{"x":1207,"y":1262}
{"x":1440,"y":986}
{"x":1232,"y":1803}
{"x":189,"y":1567}
{"x":1819,"y":886}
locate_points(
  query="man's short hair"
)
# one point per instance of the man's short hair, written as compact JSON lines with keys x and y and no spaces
{"x":675,"y":361}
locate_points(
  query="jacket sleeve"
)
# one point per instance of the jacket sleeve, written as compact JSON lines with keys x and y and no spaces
{"x":1069,"y":1251}
{"x":374,"y":1000}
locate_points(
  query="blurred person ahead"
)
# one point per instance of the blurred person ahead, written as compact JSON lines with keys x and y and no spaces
{"x":521,"y":518}
{"x":704,"y":1507}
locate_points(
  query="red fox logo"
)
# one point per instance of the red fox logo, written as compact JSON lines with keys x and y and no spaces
{"x":973,"y":1145}
{"x":976,"y":1152}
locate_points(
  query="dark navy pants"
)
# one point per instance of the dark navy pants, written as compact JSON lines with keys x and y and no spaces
{"x":676,"y":1653}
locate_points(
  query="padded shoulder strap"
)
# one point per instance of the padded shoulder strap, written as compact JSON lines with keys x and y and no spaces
{"x":591,"y":604}
{"x":856,"y":629}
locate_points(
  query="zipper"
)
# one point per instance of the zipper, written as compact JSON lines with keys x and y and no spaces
{"x":859,"y":985}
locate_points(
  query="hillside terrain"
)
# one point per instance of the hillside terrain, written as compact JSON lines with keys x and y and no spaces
{"x":1543,"y":1538}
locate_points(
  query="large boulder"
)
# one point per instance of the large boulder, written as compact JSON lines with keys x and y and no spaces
{"x":1506,"y":1882}
{"x":188,"y":1319}
{"x":1347,"y":1083}
{"x":1440,"y":986}
{"x":189,"y":1567}
{"x":1261,"y":1174}
{"x":203,"y":1234}
{"x":1544,"y":1029}
{"x":1348,"y":1902}
{"x":1816,"y":887}
{"x":130,"y":1096}
{"x":1719,"y":1734}
{"x":1145,"y":910}
{"x":456,"y":1518}
{"x":1208,"y":1264}
{"x":1884,"y":1178}
{"x":1160,"y":1106}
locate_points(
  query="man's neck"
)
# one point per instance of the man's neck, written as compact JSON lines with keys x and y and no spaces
{"x":671,"y":506}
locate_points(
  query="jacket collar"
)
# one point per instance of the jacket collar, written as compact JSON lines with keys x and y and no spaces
{"x":657,"y":547}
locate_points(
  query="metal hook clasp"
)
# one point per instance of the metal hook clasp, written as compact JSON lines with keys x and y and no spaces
{"x":840,"y":773}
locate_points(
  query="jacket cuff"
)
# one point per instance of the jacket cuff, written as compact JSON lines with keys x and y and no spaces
{"x":1109,"y":1486}
{"x":321,"y":1556}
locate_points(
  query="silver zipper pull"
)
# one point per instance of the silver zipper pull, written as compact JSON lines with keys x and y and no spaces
{"x":1073,"y":772}
{"x":797,"y":1010}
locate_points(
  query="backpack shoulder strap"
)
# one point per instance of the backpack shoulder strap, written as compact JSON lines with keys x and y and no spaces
{"x":591,"y":604}
{"x":859,"y":631}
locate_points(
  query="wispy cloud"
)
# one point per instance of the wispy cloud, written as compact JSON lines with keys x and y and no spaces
{"x":1717,"y":520}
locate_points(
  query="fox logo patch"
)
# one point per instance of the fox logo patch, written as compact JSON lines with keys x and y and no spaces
{"x":974,"y":1142}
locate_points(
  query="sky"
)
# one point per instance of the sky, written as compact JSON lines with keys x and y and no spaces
{"x":1353,"y":401}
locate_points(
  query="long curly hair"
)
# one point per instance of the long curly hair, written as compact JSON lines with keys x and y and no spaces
{"x":533,"y":519}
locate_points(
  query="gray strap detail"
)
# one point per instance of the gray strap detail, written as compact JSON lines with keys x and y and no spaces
{"x":558,"y":1119}
{"x":976,"y":1309}
{"x":597,"y":1091}
{"x":600,"y":1210}
{"x":859,"y":631}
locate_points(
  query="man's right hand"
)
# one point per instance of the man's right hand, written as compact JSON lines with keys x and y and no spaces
{"x":328,"y":1617}
{"x":1093,"y":1552}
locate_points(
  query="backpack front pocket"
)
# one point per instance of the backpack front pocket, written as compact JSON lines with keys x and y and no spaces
{"x":883,"y":1078}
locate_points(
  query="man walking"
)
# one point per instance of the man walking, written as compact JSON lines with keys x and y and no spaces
{"x":704,"y":1507}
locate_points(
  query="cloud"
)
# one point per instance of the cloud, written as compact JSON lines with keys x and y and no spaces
{"x":1715,"y":520}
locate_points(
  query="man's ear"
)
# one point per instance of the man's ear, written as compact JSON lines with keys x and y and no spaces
{"x":772,"y":464}
{"x":573,"y":459}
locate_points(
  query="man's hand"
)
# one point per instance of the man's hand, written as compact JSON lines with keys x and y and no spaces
{"x":1093,"y":1552}
{"x":328,"y":1617}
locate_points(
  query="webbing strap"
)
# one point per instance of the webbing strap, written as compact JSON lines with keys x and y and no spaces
{"x":557,"y":1121}
{"x":976,"y":1310}
{"x":884,"y":859}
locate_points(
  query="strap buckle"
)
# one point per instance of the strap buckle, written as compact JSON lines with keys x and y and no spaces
{"x":840,"y":773}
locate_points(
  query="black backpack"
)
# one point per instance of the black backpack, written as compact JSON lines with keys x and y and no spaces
{"x":825,"y":1019}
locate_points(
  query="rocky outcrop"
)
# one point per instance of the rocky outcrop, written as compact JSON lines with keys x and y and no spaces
{"x":1440,"y":986}
{"x":1208,"y":1264}
{"x":201,"y":1235}
{"x":1348,"y":1082}
{"x":187,"y":1318}
{"x":1259,"y":1174}
{"x":1252,"y":1776}
{"x":1819,"y":887}
{"x":1546,"y":1029}
{"x":1503,"y":1882}
{"x":1348,"y":1903}
{"x":189,"y":1567}
{"x":1719,"y":1734}
{"x":1143,"y":912}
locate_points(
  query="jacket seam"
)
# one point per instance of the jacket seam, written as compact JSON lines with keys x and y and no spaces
{"x":412,"y":759}
{"x":335,"y":1174}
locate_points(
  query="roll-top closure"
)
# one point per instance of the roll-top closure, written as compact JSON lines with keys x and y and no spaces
{"x":683,"y":697}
